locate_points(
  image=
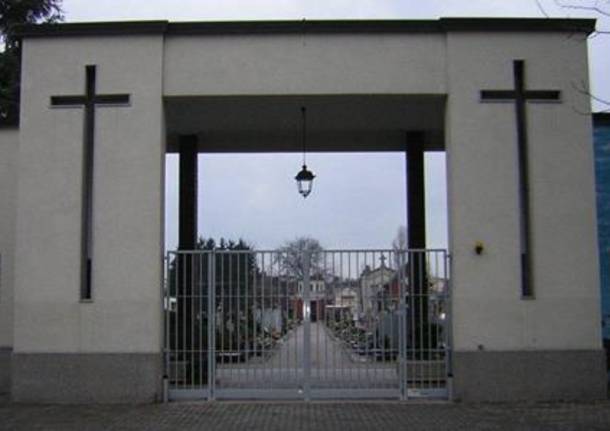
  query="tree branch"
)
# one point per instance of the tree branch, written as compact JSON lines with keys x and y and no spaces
{"x":594,"y":7}
{"x":583,"y":90}
{"x":541,"y":8}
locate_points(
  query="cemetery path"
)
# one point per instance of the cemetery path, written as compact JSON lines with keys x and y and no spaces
{"x":332,"y":365}
{"x":326,"y":352}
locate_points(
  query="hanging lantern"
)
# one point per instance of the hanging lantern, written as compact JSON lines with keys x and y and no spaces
{"x":305,"y":181}
{"x":305,"y":177}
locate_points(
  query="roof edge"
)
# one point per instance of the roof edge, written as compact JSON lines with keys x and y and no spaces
{"x":305,"y":26}
{"x":571,"y":25}
{"x":111,"y":28}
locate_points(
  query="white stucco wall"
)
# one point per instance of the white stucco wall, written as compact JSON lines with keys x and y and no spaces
{"x":311,"y":64}
{"x":9,"y":141}
{"x":482,"y":175}
{"x":483,"y":200}
{"x":129,"y":152}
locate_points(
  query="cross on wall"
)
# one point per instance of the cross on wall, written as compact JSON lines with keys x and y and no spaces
{"x":520,"y":96}
{"x":89,"y":101}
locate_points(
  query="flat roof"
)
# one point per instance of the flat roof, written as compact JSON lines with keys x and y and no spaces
{"x":441,"y":25}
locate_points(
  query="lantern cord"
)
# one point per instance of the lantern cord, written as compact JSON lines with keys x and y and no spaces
{"x":304,"y":117}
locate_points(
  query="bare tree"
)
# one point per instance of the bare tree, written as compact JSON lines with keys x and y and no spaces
{"x":600,"y":8}
{"x":291,"y":257}
{"x":400,"y":240}
{"x":399,"y":243}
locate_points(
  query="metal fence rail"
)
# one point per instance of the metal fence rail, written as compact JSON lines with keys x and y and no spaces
{"x":307,"y":325}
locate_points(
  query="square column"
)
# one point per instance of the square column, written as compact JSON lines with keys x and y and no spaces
{"x":9,"y":146}
{"x":108,"y":348}
{"x":418,"y":328}
{"x":187,"y":236}
{"x":416,"y":192}
{"x":507,"y":346}
{"x":186,"y":267}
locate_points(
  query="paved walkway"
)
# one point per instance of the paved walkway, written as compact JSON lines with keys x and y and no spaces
{"x":302,"y":416}
{"x":331,"y":366}
{"x":325,"y":352}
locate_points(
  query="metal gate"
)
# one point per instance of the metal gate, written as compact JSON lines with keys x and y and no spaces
{"x":242,"y":324}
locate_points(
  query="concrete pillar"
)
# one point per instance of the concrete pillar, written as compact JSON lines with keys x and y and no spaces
{"x":9,"y":146}
{"x":187,"y":239}
{"x":416,"y":228}
{"x":187,"y":236}
{"x":108,"y":349}
{"x":416,"y":192}
{"x":506,"y":348}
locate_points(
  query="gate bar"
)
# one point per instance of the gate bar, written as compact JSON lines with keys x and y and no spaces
{"x":211,"y":325}
{"x":306,"y":327}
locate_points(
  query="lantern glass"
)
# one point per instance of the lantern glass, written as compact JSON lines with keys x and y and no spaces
{"x":304,"y":181}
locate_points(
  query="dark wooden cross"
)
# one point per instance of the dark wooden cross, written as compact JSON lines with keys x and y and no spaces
{"x":520,"y":95}
{"x":89,"y":101}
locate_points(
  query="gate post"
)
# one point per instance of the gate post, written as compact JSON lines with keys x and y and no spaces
{"x":211,"y":326}
{"x":403,"y":328}
{"x":306,"y":326}
{"x":448,"y":329}
{"x":166,"y":307}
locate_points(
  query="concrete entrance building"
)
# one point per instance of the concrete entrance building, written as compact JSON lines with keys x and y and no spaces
{"x":82,"y":249}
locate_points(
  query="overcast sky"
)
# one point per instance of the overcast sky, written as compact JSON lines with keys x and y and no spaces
{"x":358,"y":199}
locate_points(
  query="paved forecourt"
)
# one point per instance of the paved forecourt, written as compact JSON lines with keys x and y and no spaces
{"x":228,"y":416}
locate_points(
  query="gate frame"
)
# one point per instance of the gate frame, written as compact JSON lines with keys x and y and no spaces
{"x":210,"y":393}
